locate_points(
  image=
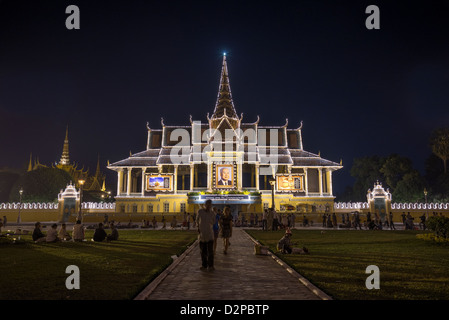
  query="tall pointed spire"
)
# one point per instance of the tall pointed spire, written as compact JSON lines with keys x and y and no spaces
{"x":224,"y":104}
{"x":65,"y":160}
{"x":30,"y":164}
{"x":97,"y":172}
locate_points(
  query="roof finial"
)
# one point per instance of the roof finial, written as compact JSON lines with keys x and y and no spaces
{"x":65,"y":159}
{"x":224,"y":99}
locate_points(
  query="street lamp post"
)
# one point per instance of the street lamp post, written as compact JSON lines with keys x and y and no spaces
{"x":425,"y":195}
{"x":19,"y":218}
{"x":81,"y":183}
{"x":272,"y":182}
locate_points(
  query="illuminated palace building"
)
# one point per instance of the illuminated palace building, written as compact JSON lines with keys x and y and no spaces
{"x":245,"y":165}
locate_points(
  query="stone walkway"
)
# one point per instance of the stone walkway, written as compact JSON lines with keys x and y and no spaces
{"x":239,"y":275}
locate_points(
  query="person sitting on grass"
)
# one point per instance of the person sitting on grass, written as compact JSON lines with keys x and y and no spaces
{"x":52,"y":234}
{"x":63,"y":233}
{"x":285,"y":244}
{"x":99,"y":234}
{"x":78,"y":231}
{"x":114,"y":233}
{"x":38,"y":236}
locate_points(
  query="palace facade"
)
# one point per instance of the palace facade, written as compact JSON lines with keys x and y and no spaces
{"x":243,"y":164}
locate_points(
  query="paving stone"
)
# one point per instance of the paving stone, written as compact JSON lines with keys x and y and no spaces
{"x":239,"y":275}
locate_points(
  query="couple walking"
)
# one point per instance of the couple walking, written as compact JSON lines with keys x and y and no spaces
{"x":206,"y":219}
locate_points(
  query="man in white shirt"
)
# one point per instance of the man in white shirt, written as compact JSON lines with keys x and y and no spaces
{"x":205,"y":221}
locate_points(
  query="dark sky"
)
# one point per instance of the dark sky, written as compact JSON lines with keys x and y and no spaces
{"x":359,"y":92}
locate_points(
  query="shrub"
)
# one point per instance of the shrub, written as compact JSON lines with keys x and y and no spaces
{"x":439,"y":225}
{"x":432,"y":237}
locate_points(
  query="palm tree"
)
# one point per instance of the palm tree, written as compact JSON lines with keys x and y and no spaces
{"x":439,"y":142}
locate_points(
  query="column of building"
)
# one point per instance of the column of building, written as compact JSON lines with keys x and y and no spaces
{"x":128,"y":187}
{"x":119,"y":181}
{"x":192,"y":167}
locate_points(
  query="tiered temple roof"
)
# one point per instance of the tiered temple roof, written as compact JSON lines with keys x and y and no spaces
{"x":287,"y":146}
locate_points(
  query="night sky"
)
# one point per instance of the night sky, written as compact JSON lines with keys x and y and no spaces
{"x":359,"y":92}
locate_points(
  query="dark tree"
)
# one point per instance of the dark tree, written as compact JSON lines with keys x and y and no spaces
{"x":410,"y":188}
{"x":437,"y":181}
{"x":394,"y":169}
{"x":366,"y":171}
{"x":41,"y":185}
{"x":439,"y":142}
{"x":7,"y":180}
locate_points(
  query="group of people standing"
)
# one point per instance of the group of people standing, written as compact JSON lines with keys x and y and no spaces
{"x":212,"y":223}
{"x":272,"y":220}
{"x":77,"y":234}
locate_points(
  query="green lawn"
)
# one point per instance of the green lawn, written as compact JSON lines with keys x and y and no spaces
{"x":115,"y":270}
{"x":410,"y":268}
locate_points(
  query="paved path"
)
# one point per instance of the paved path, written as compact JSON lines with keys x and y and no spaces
{"x":239,"y":275}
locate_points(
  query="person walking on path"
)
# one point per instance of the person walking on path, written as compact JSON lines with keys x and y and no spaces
{"x":334,"y":220}
{"x":422,"y":224}
{"x":174,"y":223}
{"x":226,"y":228}
{"x":205,"y":221}
{"x":357,"y":221}
{"x":216,"y":227}
{"x":270,"y":219}
{"x":164,"y":223}
{"x":264,"y":220}
{"x":391,"y":222}
{"x":275,"y":220}
{"x":293,"y":220}
{"x":404,"y":218}
{"x":188,"y":221}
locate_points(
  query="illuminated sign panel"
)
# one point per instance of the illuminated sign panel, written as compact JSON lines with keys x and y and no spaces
{"x":290,"y":182}
{"x":156,"y":182}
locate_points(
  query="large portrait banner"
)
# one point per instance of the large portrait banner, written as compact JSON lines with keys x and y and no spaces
{"x":224,"y":176}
